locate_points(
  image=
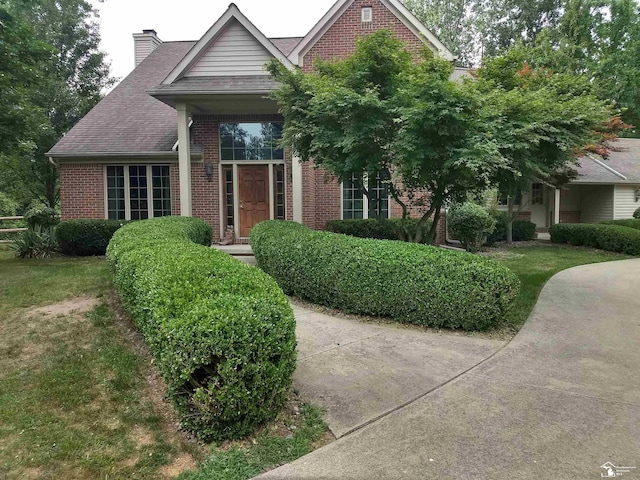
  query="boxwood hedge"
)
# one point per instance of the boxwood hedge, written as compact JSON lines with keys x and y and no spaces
{"x":407,"y":282}
{"x":381,"y":229}
{"x":222,"y":333}
{"x":86,"y":237}
{"x":629,"y":222}
{"x":614,"y":238}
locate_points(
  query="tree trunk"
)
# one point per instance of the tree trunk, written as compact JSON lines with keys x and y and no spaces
{"x":509,"y":220}
{"x":433,"y":231}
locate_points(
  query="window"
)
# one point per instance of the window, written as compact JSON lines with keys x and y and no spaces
{"x":353,"y":198}
{"x":161,"y":191}
{"x":138,"y":193}
{"x":227,"y":173}
{"x":251,"y":141}
{"x":503,"y":200}
{"x":115,"y":193}
{"x":367,"y":14}
{"x":278,"y":191}
{"x":131,"y":197}
{"x":537,"y":194}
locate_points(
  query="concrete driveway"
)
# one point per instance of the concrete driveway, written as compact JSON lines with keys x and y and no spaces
{"x":361,"y":371}
{"x":560,"y":401}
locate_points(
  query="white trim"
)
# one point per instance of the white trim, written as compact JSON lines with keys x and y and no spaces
{"x":236,"y":201}
{"x":184,"y":159}
{"x":175,"y":145}
{"x":395,"y":6}
{"x":222,"y":185}
{"x":296,"y":188}
{"x":606,"y":167}
{"x":150,"y":209}
{"x":556,"y":207}
{"x":106,"y":191}
{"x":212,"y":34}
{"x":272,"y":208}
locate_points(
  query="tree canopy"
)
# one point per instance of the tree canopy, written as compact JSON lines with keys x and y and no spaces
{"x":57,"y":73}
{"x":435,"y":139}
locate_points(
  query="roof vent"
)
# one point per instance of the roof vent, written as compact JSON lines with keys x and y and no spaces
{"x":145,"y":43}
{"x":367,"y":17}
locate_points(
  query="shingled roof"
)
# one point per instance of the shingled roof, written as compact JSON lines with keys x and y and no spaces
{"x":128,"y":121}
{"x":622,"y":166}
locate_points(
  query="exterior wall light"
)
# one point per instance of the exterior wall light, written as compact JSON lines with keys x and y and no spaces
{"x":637,"y":194}
{"x":208,"y":170}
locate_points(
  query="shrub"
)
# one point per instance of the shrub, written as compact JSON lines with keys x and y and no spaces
{"x":86,"y":237}
{"x":471,"y":224}
{"x":222,"y":333}
{"x":629,"y":222}
{"x":636,"y":214}
{"x":36,"y":242}
{"x":522,"y":230}
{"x":614,"y":238}
{"x":404,"y":281}
{"x":381,"y":229}
{"x":45,"y":216}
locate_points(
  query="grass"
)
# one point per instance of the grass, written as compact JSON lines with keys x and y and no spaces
{"x":535,"y":265}
{"x":75,"y":397}
{"x":244,"y":460}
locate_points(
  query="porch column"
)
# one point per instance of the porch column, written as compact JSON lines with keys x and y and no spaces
{"x":184,"y":159}
{"x":296,"y":180}
{"x":556,"y":209}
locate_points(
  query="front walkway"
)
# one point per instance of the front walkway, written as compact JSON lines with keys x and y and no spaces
{"x":562,"y":399}
{"x":360,"y":371}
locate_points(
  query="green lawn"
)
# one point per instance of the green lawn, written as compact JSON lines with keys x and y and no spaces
{"x":75,"y":399}
{"x":534,"y":265}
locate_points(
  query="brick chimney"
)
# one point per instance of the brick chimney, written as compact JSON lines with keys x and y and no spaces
{"x":145,"y":43}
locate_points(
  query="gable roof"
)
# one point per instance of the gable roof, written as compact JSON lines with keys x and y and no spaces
{"x":622,"y":166}
{"x":395,"y":6}
{"x":128,"y":121}
{"x":232,"y":14}
{"x":286,"y":44}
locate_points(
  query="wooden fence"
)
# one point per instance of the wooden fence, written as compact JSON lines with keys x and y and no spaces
{"x":10,"y":230}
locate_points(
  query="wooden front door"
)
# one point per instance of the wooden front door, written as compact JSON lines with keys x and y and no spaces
{"x":253,"y":194}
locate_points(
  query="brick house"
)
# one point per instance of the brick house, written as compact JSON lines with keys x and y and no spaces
{"x":190,"y":132}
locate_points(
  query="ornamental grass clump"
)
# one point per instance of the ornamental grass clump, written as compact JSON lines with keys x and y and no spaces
{"x":406,"y":282}
{"x":221,"y":332}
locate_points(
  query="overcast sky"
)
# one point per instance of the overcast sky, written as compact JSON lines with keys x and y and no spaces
{"x":190,"y":19}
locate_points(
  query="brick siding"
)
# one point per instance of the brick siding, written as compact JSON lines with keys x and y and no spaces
{"x":569,"y":217}
{"x":205,"y":132}
{"x":321,"y":191}
{"x":82,"y":190}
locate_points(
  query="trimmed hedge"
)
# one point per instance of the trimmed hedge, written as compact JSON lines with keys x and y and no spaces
{"x":380,"y":229}
{"x":86,"y":237}
{"x":613,"y":238}
{"x":636,"y":214}
{"x":471,"y":224}
{"x":222,"y":333}
{"x":522,"y":230}
{"x":629,"y":222}
{"x":407,"y":282}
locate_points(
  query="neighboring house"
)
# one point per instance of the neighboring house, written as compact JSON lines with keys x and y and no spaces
{"x":604,"y":190}
{"x":190,"y":132}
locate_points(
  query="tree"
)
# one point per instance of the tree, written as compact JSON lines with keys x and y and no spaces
{"x":69,"y":81}
{"x":542,"y":122}
{"x":452,"y":23}
{"x":377,"y":111}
